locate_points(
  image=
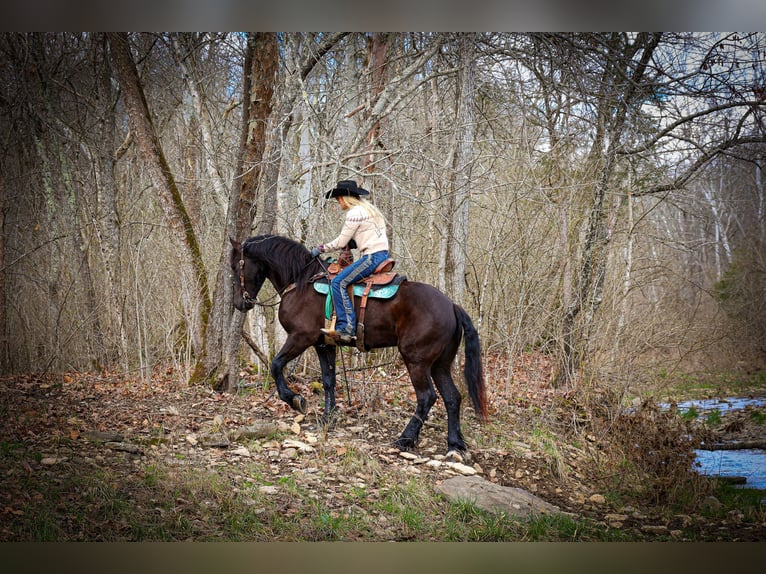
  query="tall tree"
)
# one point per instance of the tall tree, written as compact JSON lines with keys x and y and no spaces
{"x":219,"y":362}
{"x":168,"y":193}
{"x":624,"y":72}
{"x":462,"y":164}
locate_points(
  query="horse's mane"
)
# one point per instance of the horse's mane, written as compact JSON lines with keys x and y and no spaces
{"x":288,"y":257}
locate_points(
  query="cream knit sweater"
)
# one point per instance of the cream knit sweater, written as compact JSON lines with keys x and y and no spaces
{"x":368,"y":232}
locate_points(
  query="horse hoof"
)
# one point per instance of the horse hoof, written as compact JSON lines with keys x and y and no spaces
{"x":300,"y":404}
{"x":404,"y":444}
{"x":455,"y":456}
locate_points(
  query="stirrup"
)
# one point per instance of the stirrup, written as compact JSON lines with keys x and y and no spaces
{"x":341,"y":336}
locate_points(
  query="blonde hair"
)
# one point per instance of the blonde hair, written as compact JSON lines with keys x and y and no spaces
{"x":371,"y":210}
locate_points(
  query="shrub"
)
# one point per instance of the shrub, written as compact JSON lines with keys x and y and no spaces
{"x":650,"y":452}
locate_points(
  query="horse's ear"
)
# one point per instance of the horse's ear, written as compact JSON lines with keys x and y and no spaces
{"x":235,"y":244}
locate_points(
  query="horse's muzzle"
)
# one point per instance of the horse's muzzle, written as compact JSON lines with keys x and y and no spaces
{"x":244,"y":305}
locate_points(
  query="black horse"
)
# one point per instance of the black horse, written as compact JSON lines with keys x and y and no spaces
{"x":425,"y":325}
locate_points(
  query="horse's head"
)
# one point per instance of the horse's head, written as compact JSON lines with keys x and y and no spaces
{"x":248,"y":277}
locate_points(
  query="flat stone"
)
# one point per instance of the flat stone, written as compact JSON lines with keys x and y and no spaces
{"x":463,"y":469}
{"x":495,"y":498}
{"x":102,"y":436}
{"x":255,"y":431}
{"x":124,"y":447}
{"x":298,"y":445}
{"x":241,"y":451}
{"x":215,"y":440}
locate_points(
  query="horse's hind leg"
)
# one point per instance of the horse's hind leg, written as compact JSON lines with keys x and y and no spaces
{"x":426,"y":397}
{"x":326,"y":354}
{"x":451,"y":396}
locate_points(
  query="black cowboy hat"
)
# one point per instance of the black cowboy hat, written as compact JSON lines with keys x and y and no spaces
{"x":346,"y":187}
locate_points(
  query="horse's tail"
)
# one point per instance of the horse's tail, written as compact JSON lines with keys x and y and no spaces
{"x":473,"y":371}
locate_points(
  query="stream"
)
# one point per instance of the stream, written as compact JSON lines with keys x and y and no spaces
{"x":748,"y":463}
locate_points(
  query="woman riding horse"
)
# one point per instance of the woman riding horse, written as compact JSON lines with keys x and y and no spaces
{"x":421,"y":321}
{"x":366,"y":226}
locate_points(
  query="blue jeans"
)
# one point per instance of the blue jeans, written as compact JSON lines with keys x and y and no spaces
{"x":344,"y":305}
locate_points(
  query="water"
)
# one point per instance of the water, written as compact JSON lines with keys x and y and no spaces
{"x":721,"y":405}
{"x":750,"y":463}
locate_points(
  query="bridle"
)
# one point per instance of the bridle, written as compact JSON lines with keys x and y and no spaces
{"x":245,"y":295}
{"x":250,"y":300}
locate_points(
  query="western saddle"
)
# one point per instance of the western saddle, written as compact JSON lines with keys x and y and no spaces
{"x":383,"y":275}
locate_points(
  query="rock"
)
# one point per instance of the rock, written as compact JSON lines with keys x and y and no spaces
{"x":597,"y":499}
{"x":215,"y":440}
{"x":711,"y":503}
{"x":256,"y":431}
{"x":298,"y":445}
{"x":288,"y":453}
{"x":311,"y":438}
{"x":125,"y":447}
{"x":495,"y":498}
{"x":241,"y":451}
{"x":463,"y":469}
{"x":413,"y":458}
{"x":102,"y":436}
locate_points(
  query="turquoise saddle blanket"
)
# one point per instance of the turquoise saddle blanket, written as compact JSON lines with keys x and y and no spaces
{"x":377,"y":292}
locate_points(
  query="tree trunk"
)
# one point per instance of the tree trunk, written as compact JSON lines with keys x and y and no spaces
{"x":178,"y":220}
{"x":377,"y":63}
{"x":186,"y":57}
{"x":615,"y":97}
{"x":462,"y":166}
{"x":4,"y":349}
{"x":219,"y":363}
{"x":107,"y":215}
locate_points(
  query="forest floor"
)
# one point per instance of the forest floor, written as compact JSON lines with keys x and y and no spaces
{"x":103,"y":457}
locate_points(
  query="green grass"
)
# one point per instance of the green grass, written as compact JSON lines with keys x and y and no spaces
{"x":367,"y":498}
{"x":684,"y":386}
{"x":166,"y":503}
{"x":713,"y":418}
{"x":743,"y":504}
{"x":758,"y":417}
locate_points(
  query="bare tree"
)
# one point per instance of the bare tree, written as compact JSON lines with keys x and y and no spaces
{"x":168,"y":192}
{"x":462,"y":163}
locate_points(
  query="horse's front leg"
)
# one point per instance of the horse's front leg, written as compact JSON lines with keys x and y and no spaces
{"x":326,"y":354}
{"x":287,"y":353}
